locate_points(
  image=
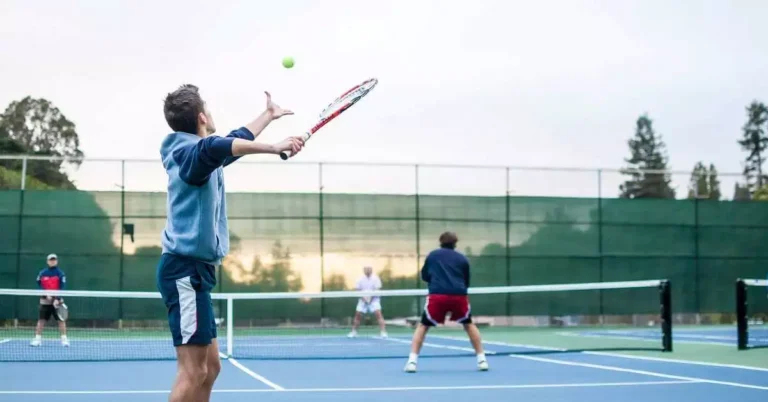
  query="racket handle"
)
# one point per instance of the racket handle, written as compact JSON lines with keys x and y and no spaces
{"x":287,"y":154}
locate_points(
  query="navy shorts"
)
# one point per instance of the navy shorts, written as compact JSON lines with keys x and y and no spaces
{"x":186,"y":285}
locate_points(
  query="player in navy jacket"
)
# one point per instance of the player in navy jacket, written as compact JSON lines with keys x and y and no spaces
{"x":447,"y":273}
{"x":196,"y":234}
{"x":51,"y":278}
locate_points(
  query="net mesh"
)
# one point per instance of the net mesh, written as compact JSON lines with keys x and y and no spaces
{"x":317,"y":325}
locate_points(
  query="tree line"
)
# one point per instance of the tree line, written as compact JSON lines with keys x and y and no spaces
{"x":648,"y":164}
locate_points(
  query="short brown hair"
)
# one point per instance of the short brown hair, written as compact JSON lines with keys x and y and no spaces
{"x":181,"y":108}
{"x":448,"y":240}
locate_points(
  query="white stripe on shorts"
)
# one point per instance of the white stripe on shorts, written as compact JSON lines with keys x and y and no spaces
{"x":187,"y":308}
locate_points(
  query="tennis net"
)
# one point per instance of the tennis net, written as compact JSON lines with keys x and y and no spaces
{"x":752,"y":313}
{"x":513,"y":320}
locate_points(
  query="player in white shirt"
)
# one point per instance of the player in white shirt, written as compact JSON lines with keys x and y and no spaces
{"x":368,"y":304}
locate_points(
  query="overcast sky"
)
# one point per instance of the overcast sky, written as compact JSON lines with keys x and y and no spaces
{"x":524,"y":83}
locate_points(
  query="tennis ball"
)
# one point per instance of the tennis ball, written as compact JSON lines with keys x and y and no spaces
{"x":287,"y":62}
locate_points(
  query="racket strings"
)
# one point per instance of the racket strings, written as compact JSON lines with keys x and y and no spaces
{"x":349,"y":98}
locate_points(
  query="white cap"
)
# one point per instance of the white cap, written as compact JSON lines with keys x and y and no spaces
{"x":52,"y":257}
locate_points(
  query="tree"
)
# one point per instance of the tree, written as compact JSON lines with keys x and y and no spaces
{"x":648,"y":152}
{"x":761,"y":194}
{"x":335,"y":282}
{"x":37,"y":127}
{"x":704,"y":182}
{"x":275,"y":277}
{"x":755,"y":141}
{"x":741,"y":193}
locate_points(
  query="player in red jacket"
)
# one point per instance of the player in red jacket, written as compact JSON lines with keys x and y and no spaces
{"x":51,"y":278}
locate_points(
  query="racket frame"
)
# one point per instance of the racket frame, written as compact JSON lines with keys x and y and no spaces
{"x":325,"y":119}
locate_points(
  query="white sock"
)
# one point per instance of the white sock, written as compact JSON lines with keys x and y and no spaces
{"x":413,"y":357}
{"x":480,"y":357}
{"x":38,"y":337}
{"x":63,"y":337}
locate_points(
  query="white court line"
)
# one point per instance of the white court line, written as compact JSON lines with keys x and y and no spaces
{"x":372,"y":389}
{"x":641,"y":372}
{"x":626,"y":370}
{"x":251,"y":373}
{"x":4,"y":341}
{"x":625,"y":356}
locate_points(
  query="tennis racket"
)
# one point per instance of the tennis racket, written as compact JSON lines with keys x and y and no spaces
{"x":62,"y":312}
{"x":337,"y":107}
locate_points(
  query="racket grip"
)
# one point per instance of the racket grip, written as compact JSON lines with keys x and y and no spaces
{"x":287,"y":154}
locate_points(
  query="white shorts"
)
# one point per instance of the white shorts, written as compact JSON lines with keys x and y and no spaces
{"x":369,"y":308}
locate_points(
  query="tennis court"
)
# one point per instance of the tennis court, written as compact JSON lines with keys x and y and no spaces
{"x":546,"y":376}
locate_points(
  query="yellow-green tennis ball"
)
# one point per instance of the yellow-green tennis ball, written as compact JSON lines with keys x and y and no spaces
{"x":288,"y":62}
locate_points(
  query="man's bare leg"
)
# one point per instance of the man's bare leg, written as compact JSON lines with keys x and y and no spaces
{"x":382,"y":324}
{"x":416,"y":344}
{"x":38,"y":339}
{"x":355,"y":324}
{"x":39,"y":327}
{"x":192,"y":372}
{"x":63,"y":332}
{"x":213,"y":363}
{"x":477,"y":344}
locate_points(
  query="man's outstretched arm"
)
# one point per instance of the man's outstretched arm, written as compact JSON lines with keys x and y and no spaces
{"x":253,"y":129}
{"x":197,"y":162}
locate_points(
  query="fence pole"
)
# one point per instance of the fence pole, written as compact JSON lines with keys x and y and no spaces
{"x":418,"y":235}
{"x":600,"y":239}
{"x":696,"y":262}
{"x":24,"y":173}
{"x":19,"y":233}
{"x":507,"y":251}
{"x":322,"y":237}
{"x":122,"y":242}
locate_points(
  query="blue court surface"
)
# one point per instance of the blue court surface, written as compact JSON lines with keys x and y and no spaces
{"x":585,"y":376}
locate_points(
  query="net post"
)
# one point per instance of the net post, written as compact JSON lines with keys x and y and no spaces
{"x":665,"y":294}
{"x":741,"y":314}
{"x":230,"y":327}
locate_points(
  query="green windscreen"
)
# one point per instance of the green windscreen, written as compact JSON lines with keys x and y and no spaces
{"x":313,"y":242}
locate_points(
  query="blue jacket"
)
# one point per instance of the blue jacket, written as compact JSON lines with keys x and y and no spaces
{"x":447,"y":272}
{"x":196,"y":226}
{"x":51,"y":279}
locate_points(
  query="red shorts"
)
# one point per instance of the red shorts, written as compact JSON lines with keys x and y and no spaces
{"x":438,"y":306}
